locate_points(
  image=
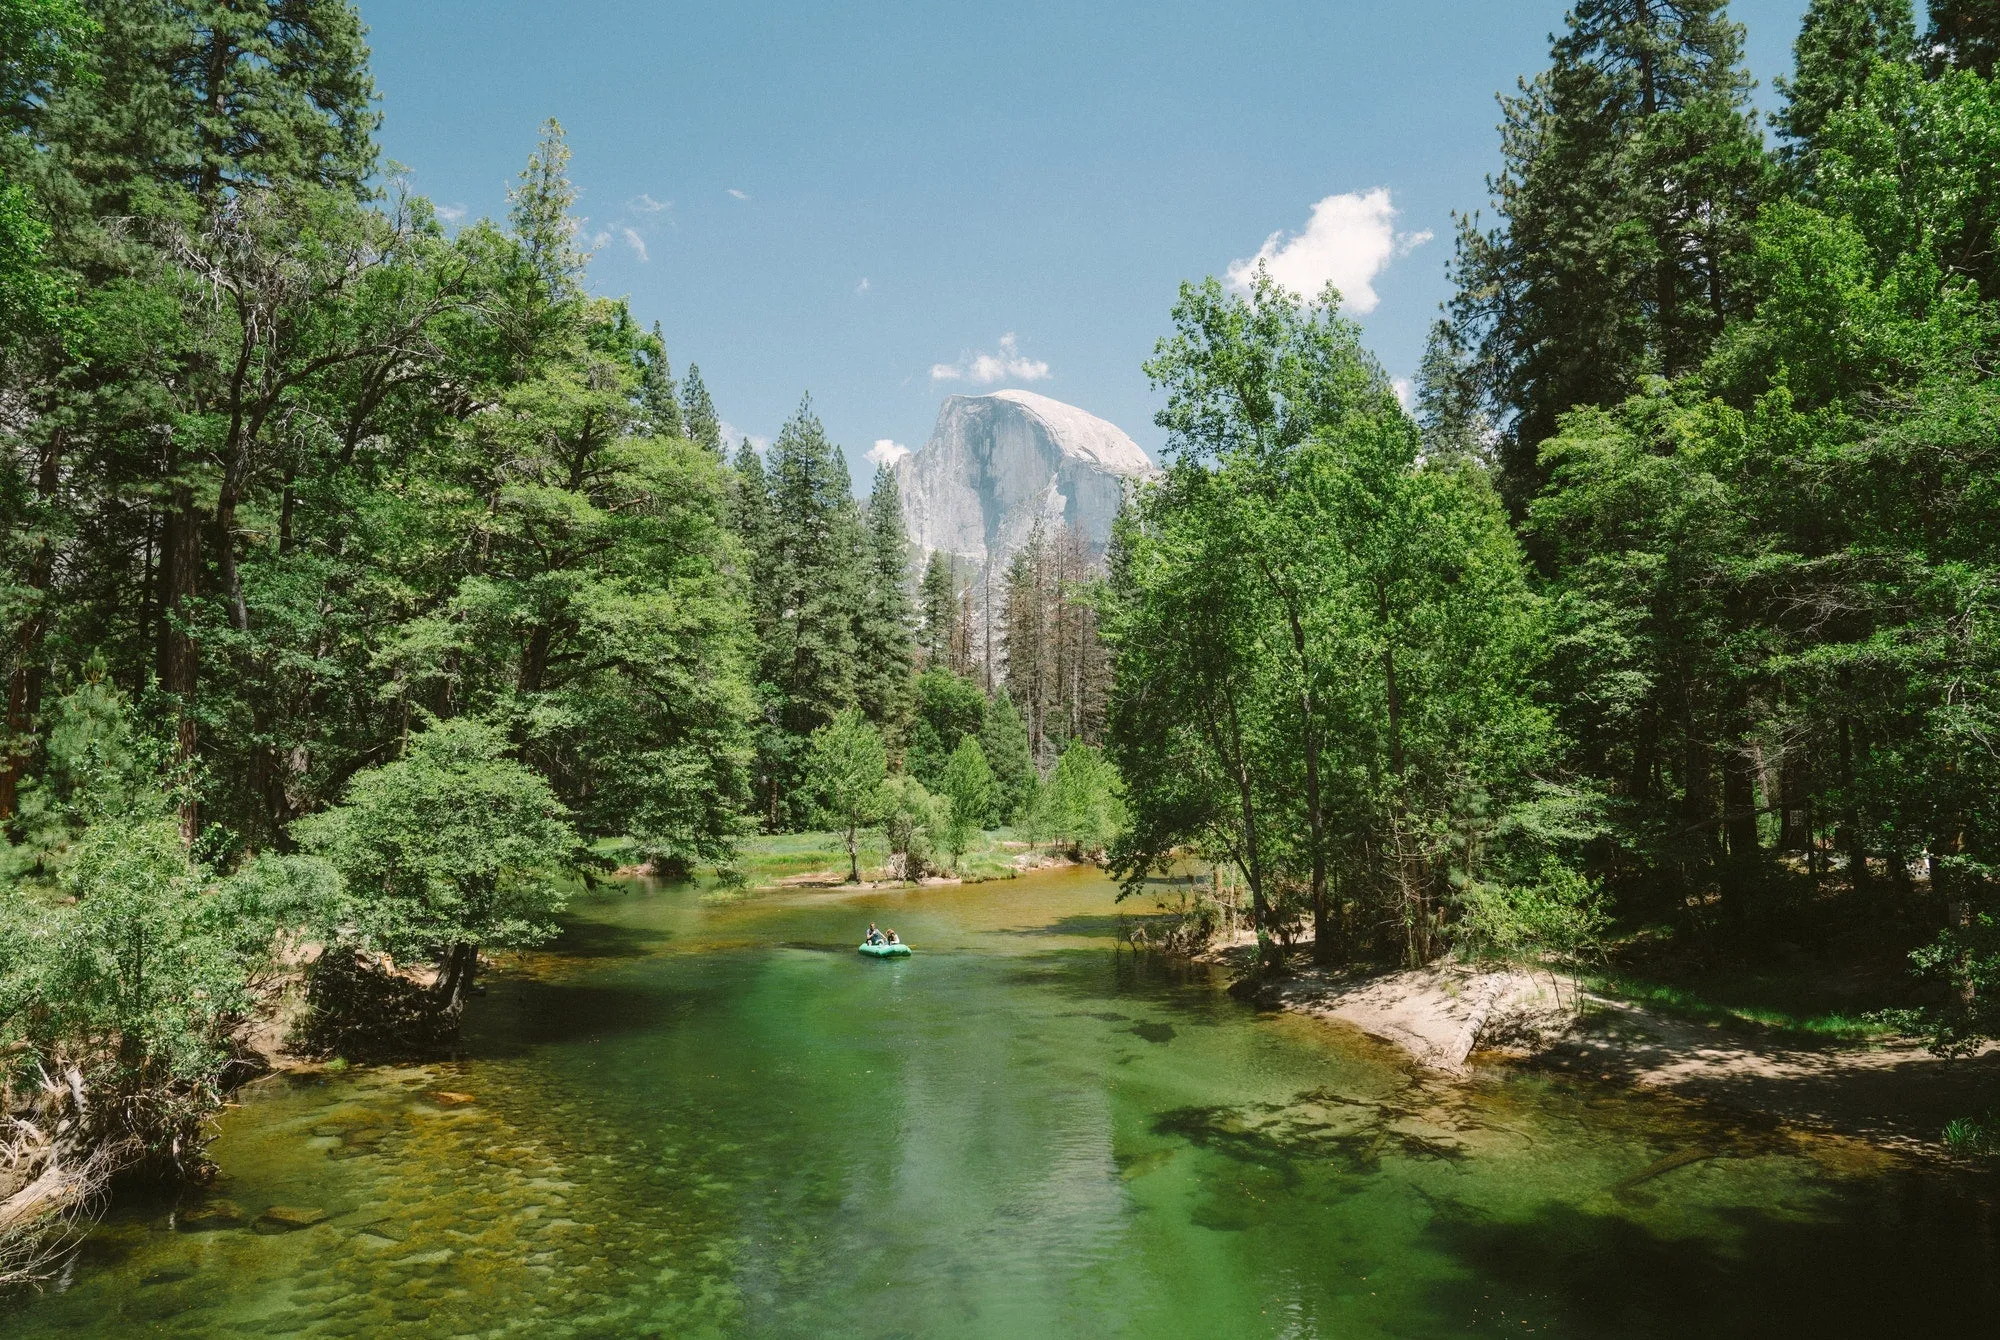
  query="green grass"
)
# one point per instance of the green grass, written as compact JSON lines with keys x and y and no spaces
{"x":765,"y":859}
{"x":1975,"y":1136}
{"x":1764,"y":1003}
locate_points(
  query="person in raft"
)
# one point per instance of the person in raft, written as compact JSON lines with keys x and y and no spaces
{"x":892,"y":937}
{"x":874,"y":936}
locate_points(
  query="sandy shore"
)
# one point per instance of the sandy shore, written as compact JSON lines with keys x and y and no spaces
{"x":1457,"y":1020}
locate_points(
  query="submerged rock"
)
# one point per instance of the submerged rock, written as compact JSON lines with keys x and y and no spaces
{"x":996,"y":464}
{"x":216,"y":1214}
{"x":288,"y":1218}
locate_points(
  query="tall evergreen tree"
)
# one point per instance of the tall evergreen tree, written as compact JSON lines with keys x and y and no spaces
{"x":1004,"y":737}
{"x":656,"y":389}
{"x":1964,"y":35}
{"x":885,"y":625}
{"x":698,"y":418}
{"x":1632,"y":174}
{"x":1450,"y":406}
{"x":209,"y":180}
{"x":808,"y":593}
{"x":938,"y":608}
{"x":1839,"y":45}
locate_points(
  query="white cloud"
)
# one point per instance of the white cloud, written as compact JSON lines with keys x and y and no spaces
{"x":740,"y":195}
{"x":451,"y":213}
{"x":599,"y":238}
{"x":886,"y":452}
{"x":1406,"y":392}
{"x":863,"y":286}
{"x":1348,"y":241}
{"x":733,"y":437}
{"x":645,"y":204}
{"x":1008,"y":364}
{"x":637,"y":243}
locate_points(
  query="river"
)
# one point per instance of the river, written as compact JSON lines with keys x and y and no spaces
{"x":689,"y":1118}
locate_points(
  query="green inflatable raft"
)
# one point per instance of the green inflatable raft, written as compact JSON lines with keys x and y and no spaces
{"x":884,"y":951}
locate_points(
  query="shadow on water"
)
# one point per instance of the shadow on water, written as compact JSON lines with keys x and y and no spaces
{"x":582,"y":939}
{"x":525,"y":1013}
{"x":1080,"y":926}
{"x":1914,"y":1259}
{"x":1320,"y":1129}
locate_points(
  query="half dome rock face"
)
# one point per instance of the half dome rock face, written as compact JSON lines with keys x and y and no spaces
{"x":996,"y":464}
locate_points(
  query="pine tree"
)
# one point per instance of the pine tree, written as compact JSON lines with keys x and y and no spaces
{"x":656,"y":390}
{"x":1839,"y":45}
{"x":1057,"y":670}
{"x":273,"y":92}
{"x":749,"y":519}
{"x":1964,"y":35}
{"x":1633,"y":172}
{"x":967,"y":783}
{"x":541,"y":210}
{"x":814,"y":582}
{"x":938,"y":601}
{"x":1450,"y":400}
{"x":209,"y":138}
{"x":1029,"y":669}
{"x":884,"y":626}
{"x":1004,"y":737}
{"x":698,"y":417}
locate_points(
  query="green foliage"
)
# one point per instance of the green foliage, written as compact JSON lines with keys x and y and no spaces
{"x":697,"y":417}
{"x":455,"y":844}
{"x":32,"y":292}
{"x":808,"y":577}
{"x":1004,"y":738}
{"x":948,"y":708}
{"x":42,"y":46}
{"x":1081,"y":806}
{"x":942,"y":635}
{"x":845,"y":767}
{"x":1975,"y":1136}
{"x":1324,"y":643}
{"x":97,"y":765}
{"x":885,"y":622}
{"x":136,"y":980}
{"x":1561,"y":917}
{"x":967,"y":787}
{"x":656,"y":391}
{"x":1965,"y":960}
{"x":913,"y":822}
{"x":41,"y":43}
{"x":1840,"y":44}
{"x":1964,"y":35}
{"x":1632,"y":174}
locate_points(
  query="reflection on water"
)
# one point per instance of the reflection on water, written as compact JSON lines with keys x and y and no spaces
{"x":690,"y":1120}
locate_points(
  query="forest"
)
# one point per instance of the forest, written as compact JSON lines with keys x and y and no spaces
{"x":369,"y":583}
{"x":1671,"y":606}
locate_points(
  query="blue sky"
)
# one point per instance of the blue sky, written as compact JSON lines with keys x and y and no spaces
{"x":885,"y":203}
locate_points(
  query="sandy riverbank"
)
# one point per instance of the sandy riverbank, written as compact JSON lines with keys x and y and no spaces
{"x":1457,"y":1020}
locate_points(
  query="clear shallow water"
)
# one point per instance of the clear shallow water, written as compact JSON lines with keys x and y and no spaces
{"x":688,"y":1120}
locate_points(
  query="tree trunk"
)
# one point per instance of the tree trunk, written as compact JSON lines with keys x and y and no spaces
{"x":535,"y":659}
{"x":179,"y":668}
{"x":1739,"y":807}
{"x":1850,"y":834}
{"x":455,"y":976}
{"x":1794,"y":796}
{"x":24,"y":687}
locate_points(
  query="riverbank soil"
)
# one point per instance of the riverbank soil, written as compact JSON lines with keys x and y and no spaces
{"x":1897,"y":1093}
{"x":1807,"y":1072}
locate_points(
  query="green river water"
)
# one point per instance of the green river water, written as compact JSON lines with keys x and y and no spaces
{"x":687,"y":1119}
